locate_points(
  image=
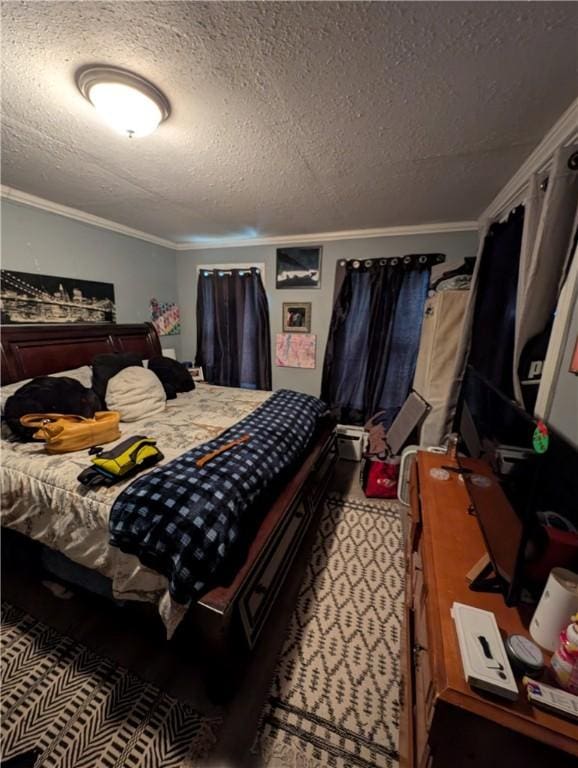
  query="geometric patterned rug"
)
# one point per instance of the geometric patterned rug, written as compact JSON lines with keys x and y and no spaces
{"x":80,"y":710}
{"x":334,"y":700}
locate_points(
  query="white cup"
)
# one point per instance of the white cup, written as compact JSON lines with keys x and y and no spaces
{"x":558,"y":603}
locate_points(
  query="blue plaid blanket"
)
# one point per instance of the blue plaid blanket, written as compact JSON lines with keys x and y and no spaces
{"x":184,"y":521}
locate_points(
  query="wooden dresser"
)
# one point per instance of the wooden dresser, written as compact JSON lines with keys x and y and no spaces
{"x":444,"y":723}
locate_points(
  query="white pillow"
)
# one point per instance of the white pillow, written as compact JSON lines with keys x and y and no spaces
{"x":82,"y":374}
{"x":135,"y":392}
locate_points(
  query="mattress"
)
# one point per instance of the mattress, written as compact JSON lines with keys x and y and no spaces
{"x":42,"y":498}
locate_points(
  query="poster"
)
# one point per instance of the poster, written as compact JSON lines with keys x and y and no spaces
{"x":166,"y":318}
{"x":295,"y":350}
{"x":298,"y":268}
{"x":26,"y":297}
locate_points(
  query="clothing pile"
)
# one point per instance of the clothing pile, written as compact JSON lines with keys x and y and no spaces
{"x":67,"y":415}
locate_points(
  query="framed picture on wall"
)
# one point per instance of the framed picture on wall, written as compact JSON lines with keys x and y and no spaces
{"x":297,"y":316}
{"x":33,"y":299}
{"x":298,"y":268}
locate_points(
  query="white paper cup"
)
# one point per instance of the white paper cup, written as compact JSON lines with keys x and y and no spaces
{"x":558,"y":602}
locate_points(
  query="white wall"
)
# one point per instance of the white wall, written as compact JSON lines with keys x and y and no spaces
{"x":456,"y":246}
{"x":557,"y":401}
{"x":41,"y":242}
{"x":564,"y":409}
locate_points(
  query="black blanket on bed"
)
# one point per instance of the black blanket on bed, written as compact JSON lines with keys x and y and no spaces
{"x":184,"y":521}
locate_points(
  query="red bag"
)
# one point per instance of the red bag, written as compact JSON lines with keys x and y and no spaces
{"x":381,"y":478}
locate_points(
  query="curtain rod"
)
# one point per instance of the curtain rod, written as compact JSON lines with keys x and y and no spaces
{"x":420,"y":258}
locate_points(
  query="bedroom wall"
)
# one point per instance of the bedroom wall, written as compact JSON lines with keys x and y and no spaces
{"x":563,"y":414}
{"x":456,"y":246}
{"x":39,"y":241}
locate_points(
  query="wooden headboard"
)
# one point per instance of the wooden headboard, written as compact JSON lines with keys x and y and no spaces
{"x":38,"y":350}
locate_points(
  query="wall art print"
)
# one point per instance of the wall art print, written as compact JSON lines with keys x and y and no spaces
{"x":298,"y":268}
{"x":166,"y":318}
{"x":295,"y":350}
{"x":297,"y":316}
{"x":33,"y":299}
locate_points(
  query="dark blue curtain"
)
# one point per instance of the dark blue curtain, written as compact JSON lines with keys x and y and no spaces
{"x":233,"y":334}
{"x":494,"y":319}
{"x":374,"y":336}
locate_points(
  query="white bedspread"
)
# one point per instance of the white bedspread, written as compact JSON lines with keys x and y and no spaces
{"x":42,"y":498}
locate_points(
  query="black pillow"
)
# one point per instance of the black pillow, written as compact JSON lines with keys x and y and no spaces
{"x":104,"y":367}
{"x":174,"y":376}
{"x":48,"y":394}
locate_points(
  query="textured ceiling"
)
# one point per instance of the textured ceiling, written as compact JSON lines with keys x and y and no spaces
{"x":287,"y":118}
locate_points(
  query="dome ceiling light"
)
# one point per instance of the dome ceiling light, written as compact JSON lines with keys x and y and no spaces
{"x":126,"y":102}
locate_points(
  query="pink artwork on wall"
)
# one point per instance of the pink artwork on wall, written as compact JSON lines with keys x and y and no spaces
{"x":295,"y":350}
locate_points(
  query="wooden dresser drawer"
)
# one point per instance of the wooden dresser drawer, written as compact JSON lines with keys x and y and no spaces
{"x":261,"y":591}
{"x":424,"y":685}
{"x":415,"y":507}
{"x":321,"y":474}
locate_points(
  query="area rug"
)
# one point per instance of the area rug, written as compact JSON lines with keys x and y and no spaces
{"x":334,"y":700}
{"x":65,"y":707}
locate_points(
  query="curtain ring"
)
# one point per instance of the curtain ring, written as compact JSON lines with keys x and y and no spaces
{"x":394,"y":262}
{"x":422,"y":259}
{"x":382,"y":262}
{"x":573,"y":161}
{"x":342,"y":263}
{"x":407,"y":259}
{"x":355,"y":264}
{"x":367,"y":263}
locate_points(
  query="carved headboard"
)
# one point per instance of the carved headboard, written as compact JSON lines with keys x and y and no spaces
{"x":38,"y":350}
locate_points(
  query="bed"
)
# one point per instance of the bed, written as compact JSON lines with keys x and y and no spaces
{"x":43,"y":501}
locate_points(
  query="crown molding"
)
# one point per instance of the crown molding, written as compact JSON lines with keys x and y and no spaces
{"x":562,"y":133}
{"x":327,"y":237}
{"x":17,"y":196}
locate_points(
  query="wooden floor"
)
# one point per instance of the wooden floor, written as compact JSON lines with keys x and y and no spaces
{"x":132,"y":640}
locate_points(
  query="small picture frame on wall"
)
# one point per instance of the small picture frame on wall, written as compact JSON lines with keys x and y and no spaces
{"x":298,"y":267}
{"x":297,"y":317}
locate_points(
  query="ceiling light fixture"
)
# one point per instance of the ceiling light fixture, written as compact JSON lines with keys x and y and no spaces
{"x":126,"y":102}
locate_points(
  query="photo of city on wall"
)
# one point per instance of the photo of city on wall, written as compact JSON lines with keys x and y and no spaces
{"x":33,"y":299}
{"x":298,"y":268}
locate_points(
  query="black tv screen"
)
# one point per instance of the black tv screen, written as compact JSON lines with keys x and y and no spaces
{"x":495,"y":429}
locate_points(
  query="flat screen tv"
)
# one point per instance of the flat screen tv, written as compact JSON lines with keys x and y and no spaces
{"x":535,"y":484}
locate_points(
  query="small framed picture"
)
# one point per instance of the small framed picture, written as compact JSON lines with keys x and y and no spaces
{"x":298,"y":268}
{"x":196,"y":373}
{"x":297,"y":317}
